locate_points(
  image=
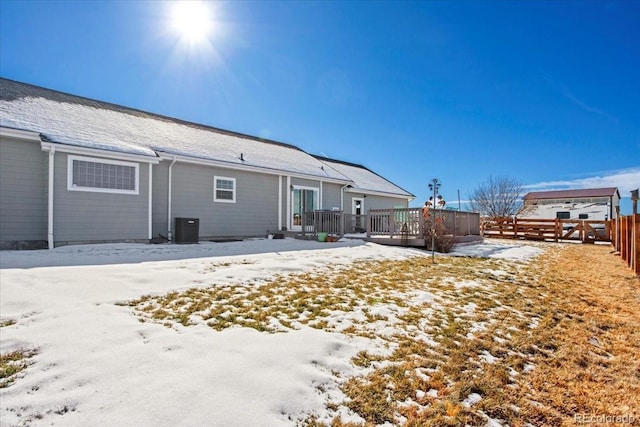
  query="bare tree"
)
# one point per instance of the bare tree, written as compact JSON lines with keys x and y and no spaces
{"x":497,"y":197}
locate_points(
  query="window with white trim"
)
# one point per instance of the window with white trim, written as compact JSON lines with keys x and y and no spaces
{"x":224,"y":189}
{"x":102,"y":175}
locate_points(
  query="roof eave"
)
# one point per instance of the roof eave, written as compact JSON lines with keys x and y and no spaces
{"x":20,"y":134}
{"x":251,"y":168}
{"x":99,"y":152}
{"x":407,"y":196}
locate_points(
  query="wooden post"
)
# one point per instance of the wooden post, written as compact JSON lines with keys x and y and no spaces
{"x":392,"y":221}
{"x":636,"y":243}
{"x":623,"y":237}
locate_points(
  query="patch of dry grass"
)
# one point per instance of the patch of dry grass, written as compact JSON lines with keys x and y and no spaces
{"x":7,"y":322}
{"x":472,"y":339}
{"x":591,"y":333}
{"x":12,"y":363}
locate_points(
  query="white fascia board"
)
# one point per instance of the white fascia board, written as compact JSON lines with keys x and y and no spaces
{"x":20,"y":134}
{"x":95,"y":152}
{"x":379,"y":193}
{"x":248,"y":168}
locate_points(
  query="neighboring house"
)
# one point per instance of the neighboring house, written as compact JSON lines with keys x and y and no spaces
{"x":593,"y":203}
{"x":76,"y":170}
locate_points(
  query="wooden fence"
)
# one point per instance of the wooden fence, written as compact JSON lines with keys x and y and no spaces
{"x":626,"y":240}
{"x":587,"y":231}
{"x":623,"y":233}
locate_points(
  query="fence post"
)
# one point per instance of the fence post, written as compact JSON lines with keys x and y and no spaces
{"x":636,"y":242}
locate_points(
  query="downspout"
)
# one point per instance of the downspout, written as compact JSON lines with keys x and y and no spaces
{"x":150,"y":233}
{"x":50,"y":240}
{"x":289,"y":203}
{"x":342,"y":196}
{"x":169,"y":234}
{"x":279,"y":202}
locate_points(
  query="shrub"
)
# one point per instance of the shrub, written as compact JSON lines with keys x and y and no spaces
{"x":435,"y":228}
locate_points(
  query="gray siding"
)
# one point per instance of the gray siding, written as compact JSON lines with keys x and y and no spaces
{"x":305,"y":182}
{"x":23,"y":191}
{"x":331,"y":196}
{"x":377,"y":202}
{"x":83,"y":216}
{"x":254,"y":212}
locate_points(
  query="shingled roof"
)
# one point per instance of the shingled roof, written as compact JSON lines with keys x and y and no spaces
{"x":76,"y":121}
{"x":571,"y":194}
{"x":364,"y":179}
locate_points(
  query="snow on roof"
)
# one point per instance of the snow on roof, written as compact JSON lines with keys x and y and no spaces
{"x":571,"y":194}
{"x":82,"y":122}
{"x":364,"y":179}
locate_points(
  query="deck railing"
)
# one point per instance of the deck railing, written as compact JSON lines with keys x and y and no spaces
{"x":355,"y":224}
{"x":410,"y":222}
{"x":322,"y":222}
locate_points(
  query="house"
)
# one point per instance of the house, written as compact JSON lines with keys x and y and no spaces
{"x":592,"y":203}
{"x":77,"y":170}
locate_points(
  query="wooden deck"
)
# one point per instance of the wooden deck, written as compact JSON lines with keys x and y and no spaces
{"x":418,"y":242}
{"x":396,"y":226}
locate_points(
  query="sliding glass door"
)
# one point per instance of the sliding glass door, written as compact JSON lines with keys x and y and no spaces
{"x":303,"y":199}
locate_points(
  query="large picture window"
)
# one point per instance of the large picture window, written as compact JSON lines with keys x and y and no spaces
{"x":224,"y":189}
{"x":102,"y":175}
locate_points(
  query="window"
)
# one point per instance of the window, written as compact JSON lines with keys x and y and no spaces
{"x":563,"y":215}
{"x":583,"y":216}
{"x":101,"y":175}
{"x":224,"y":189}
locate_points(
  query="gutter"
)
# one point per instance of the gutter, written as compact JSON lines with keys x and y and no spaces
{"x":246,"y":167}
{"x":98,"y":152}
{"x":380,"y":193}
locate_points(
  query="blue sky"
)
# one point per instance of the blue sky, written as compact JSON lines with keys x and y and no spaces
{"x":544,"y":92}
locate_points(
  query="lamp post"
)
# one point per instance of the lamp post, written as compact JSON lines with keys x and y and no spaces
{"x":436,"y":198}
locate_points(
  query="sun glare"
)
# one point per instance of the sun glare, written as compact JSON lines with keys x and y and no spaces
{"x":192,"y":20}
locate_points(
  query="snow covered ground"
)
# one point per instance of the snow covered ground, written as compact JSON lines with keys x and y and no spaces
{"x":97,"y":364}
